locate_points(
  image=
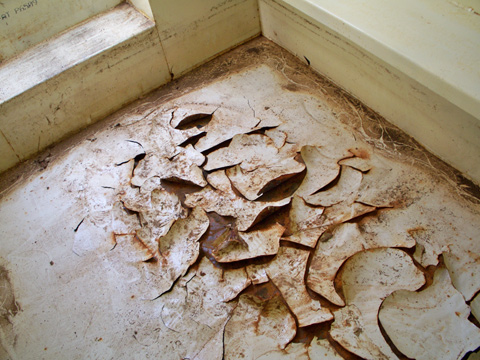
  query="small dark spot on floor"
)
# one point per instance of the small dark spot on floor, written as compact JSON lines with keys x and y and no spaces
{"x":254,"y":50}
{"x":291,"y":87}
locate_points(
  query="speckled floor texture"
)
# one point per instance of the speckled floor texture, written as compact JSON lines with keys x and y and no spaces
{"x":248,"y":210}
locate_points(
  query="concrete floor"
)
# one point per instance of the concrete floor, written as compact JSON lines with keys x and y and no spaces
{"x":78,"y":284}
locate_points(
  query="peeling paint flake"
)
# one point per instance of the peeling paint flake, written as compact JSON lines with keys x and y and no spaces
{"x":188,"y":113}
{"x":319,"y":349}
{"x":345,"y":241}
{"x":184,"y":337}
{"x":475,"y":307}
{"x":157,"y":210}
{"x":345,"y":190}
{"x":179,"y":248}
{"x":161,"y":138}
{"x":322,"y":169}
{"x":258,"y":164}
{"x":258,"y":326}
{"x":287,"y":272}
{"x":279,"y":137}
{"x":225,"y":124}
{"x":306,"y":223}
{"x":183,"y":167}
{"x":251,"y":151}
{"x":223,"y":285}
{"x":253,"y":244}
{"x":431,"y":324}
{"x":293,"y":351}
{"x":358,"y":163}
{"x":225,"y":202}
{"x":368,"y":278}
{"x":177,"y":251}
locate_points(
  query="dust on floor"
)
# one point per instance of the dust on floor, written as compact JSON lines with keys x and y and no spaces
{"x":248,"y":210}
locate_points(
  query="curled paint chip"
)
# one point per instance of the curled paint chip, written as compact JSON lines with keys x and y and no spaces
{"x":183,"y":167}
{"x":344,"y":190}
{"x":358,"y":163}
{"x":342,"y":243}
{"x":259,"y":164}
{"x":258,"y":326}
{"x":188,"y":113}
{"x":251,"y":151}
{"x":368,"y":278}
{"x":179,"y":248}
{"x":318,"y":349}
{"x":279,"y":137}
{"x":475,"y":307}
{"x":306,"y":223}
{"x":225,"y":202}
{"x":158,"y":210}
{"x":345,"y":241}
{"x":321,"y":349}
{"x":293,"y":351}
{"x":162,"y":139}
{"x":348,"y":330}
{"x":463,"y":264}
{"x":255,"y":178}
{"x":431,"y":324}
{"x":322,"y":169}
{"x":287,"y":271}
{"x":178,"y":321}
{"x":177,"y":251}
{"x":225,"y":124}
{"x":224,"y":285}
{"x":255,"y":243}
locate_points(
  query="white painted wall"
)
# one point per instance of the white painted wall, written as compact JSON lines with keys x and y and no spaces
{"x":193,"y":31}
{"x":24,"y":23}
{"x":143,"y":6}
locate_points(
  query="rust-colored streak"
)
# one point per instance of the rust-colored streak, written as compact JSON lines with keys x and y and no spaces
{"x":361,"y":153}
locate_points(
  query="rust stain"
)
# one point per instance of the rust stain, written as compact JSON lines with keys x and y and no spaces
{"x":291,"y":87}
{"x":416,"y":231}
{"x":361,"y":153}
